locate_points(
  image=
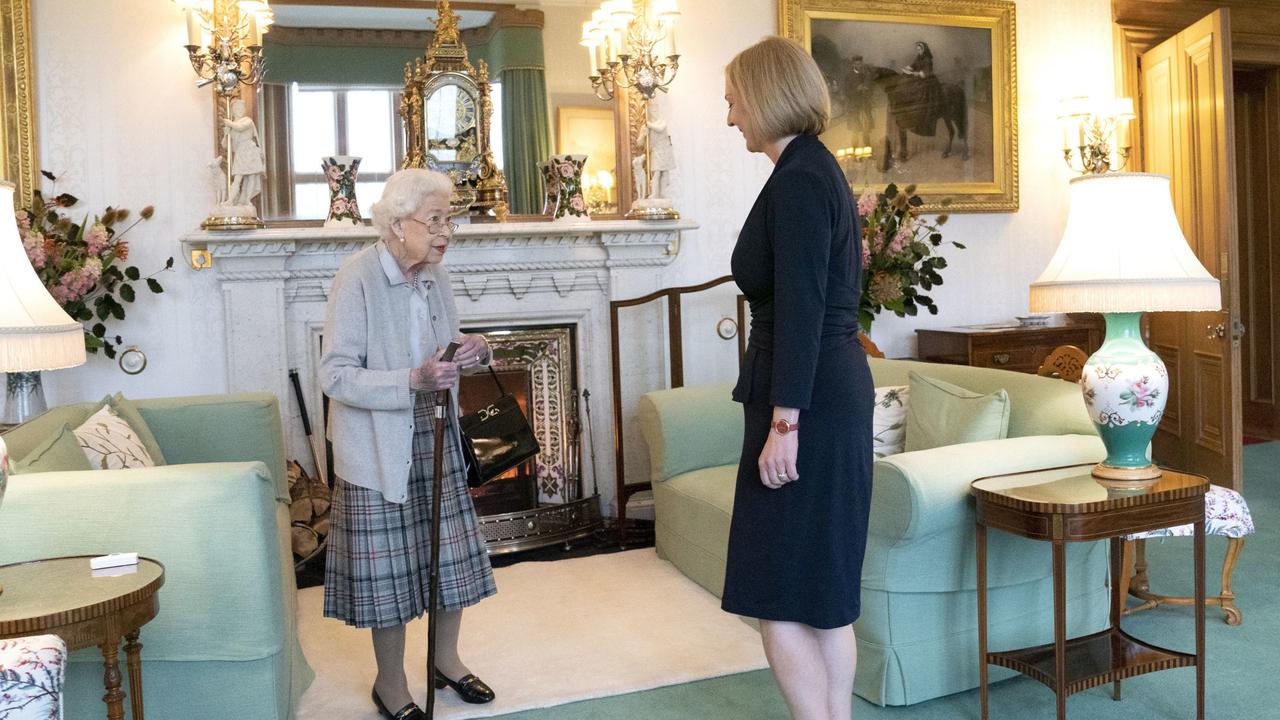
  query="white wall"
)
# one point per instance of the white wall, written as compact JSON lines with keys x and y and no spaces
{"x":119,"y":115}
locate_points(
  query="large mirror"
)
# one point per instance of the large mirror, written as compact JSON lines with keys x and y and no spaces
{"x":335,"y":83}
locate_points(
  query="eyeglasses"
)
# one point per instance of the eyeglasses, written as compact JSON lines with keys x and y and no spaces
{"x":436,"y":224}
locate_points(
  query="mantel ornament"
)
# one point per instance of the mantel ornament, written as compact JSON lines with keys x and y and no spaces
{"x":446,"y":110}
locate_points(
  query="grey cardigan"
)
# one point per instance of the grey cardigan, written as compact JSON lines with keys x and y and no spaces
{"x":365,"y":371}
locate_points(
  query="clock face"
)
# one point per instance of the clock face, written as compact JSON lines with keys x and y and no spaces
{"x":451,"y":127}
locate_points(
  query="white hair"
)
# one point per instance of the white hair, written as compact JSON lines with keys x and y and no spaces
{"x":404,"y":193}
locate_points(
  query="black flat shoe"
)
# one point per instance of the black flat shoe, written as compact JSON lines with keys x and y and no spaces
{"x":471,"y":688}
{"x":408,"y":712}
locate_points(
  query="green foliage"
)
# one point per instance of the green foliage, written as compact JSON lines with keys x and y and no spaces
{"x":83,"y":264}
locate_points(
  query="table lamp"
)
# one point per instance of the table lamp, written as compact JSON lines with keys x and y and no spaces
{"x":1123,"y":254}
{"x":35,"y":332}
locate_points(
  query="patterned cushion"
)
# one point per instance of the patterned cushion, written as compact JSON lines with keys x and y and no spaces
{"x":32,"y":672}
{"x":1225,"y":513}
{"x":889,"y":422}
{"x":110,"y":444}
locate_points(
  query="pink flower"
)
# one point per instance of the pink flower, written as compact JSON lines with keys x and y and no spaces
{"x":339,"y":207}
{"x":333,"y":171}
{"x":866,"y":203}
{"x":92,"y":270}
{"x":33,"y":243}
{"x":96,"y":239}
{"x":24,"y":220}
{"x":576,"y":203}
{"x":566,"y":169}
{"x":901,"y":239}
{"x":866,"y":255}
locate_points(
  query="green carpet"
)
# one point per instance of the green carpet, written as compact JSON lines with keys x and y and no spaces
{"x":1242,"y":667}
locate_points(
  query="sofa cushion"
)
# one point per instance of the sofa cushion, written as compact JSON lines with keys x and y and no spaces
{"x":110,"y":443}
{"x":889,"y":420}
{"x":59,"y":451}
{"x":128,"y":411}
{"x":942,"y":414}
{"x":690,"y":428}
{"x":1038,"y":405}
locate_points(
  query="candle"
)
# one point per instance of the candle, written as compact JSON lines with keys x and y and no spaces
{"x":591,"y":59}
{"x":254,"y":35}
{"x":671,"y":36}
{"x":193,"y":28}
{"x":1080,"y":126}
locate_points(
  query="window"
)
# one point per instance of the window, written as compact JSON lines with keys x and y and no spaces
{"x":327,"y":121}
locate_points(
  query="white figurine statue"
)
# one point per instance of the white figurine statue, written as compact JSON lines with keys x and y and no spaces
{"x":637,"y":175}
{"x":655,"y":144}
{"x":217,"y":181}
{"x":248,"y":164}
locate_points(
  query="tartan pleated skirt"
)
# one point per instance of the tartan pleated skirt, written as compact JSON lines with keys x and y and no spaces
{"x":379,"y":559}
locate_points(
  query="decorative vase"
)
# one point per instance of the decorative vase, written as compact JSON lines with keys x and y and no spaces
{"x":1125,"y":387}
{"x":23,"y":398}
{"x":551,"y":188}
{"x":340,"y":172}
{"x":571,"y":203}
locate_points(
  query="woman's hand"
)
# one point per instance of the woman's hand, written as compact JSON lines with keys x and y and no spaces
{"x":777,"y":461}
{"x":434,"y":374}
{"x":472,"y":350}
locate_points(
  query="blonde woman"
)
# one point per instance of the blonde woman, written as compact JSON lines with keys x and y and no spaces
{"x":800,"y":508}
{"x":390,"y":316}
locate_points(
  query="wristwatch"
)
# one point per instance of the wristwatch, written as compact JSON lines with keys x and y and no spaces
{"x":782,"y":427}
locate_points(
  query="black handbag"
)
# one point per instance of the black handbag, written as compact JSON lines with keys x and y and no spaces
{"x":496,"y":438}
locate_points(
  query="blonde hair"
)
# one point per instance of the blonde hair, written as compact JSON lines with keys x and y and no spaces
{"x":781,"y":87}
{"x":404,"y":193}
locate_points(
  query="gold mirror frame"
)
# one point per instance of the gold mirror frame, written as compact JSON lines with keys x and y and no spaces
{"x":17,"y":93}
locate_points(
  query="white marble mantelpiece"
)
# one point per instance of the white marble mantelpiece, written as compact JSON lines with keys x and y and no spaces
{"x":274,"y":284}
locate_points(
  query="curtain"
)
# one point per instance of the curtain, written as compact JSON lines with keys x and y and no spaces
{"x":526,"y":137}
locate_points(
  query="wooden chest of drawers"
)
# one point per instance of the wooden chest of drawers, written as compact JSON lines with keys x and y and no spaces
{"x":1008,"y":347}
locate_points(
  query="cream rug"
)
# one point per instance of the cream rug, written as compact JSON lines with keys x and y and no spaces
{"x":556,"y":632}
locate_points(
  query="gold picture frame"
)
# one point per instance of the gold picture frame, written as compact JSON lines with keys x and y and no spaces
{"x":885,"y":89}
{"x":17,"y":96}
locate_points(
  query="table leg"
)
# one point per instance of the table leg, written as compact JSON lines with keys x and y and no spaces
{"x":1199,"y":609}
{"x":133,"y":655}
{"x":1060,"y":626}
{"x":111,"y":679}
{"x":982,"y":617}
{"x":1119,"y":588}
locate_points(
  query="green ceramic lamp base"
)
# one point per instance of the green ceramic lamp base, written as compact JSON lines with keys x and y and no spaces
{"x":1125,"y":386}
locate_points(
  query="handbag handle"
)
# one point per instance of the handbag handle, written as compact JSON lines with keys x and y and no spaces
{"x":501,"y":390}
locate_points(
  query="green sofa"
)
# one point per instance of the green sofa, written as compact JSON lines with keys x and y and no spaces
{"x":225,"y":642}
{"x":917,"y":635}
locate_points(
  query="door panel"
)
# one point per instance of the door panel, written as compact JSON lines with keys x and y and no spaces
{"x":1188,"y":134}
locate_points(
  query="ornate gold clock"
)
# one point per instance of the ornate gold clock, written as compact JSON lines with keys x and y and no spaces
{"x":446,"y":112}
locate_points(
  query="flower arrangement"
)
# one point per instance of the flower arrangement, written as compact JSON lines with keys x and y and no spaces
{"x":899,"y":254}
{"x":83,"y":264}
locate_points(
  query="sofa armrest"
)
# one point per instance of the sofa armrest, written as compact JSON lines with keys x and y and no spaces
{"x":213,"y":526}
{"x":690,"y":428}
{"x":917,"y":494}
{"x":239,"y":427}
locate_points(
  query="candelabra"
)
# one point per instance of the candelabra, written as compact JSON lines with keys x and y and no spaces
{"x":632,"y":46}
{"x":224,"y":43}
{"x":859,"y":157}
{"x":1095,"y":137}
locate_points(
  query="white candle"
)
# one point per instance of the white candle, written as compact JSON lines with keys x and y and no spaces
{"x":254,"y":34}
{"x":671,"y":36}
{"x":193,"y":28}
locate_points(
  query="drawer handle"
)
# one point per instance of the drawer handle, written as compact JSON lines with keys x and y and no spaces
{"x":1001,"y":358}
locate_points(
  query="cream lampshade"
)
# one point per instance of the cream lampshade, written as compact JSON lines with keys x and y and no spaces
{"x":35,"y":332}
{"x":1123,"y":254}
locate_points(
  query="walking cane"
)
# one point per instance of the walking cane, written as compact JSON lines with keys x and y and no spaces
{"x":437,"y":485}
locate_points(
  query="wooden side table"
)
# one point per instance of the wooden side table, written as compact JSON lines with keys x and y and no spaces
{"x":1003,"y":346}
{"x":1065,"y":505}
{"x":86,"y":608}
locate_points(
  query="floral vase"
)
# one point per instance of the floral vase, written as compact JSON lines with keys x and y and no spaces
{"x":340,"y":172}
{"x":571,"y":203}
{"x":551,"y":187}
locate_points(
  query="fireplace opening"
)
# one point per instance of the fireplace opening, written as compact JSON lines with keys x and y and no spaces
{"x":516,"y":489}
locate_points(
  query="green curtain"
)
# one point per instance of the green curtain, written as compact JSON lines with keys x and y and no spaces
{"x":527,"y":137}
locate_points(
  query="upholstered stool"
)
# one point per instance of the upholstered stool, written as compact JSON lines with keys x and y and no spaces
{"x":1226,"y":514}
{"x":32,"y":670}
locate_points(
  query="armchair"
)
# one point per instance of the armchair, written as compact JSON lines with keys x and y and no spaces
{"x":225,"y":642}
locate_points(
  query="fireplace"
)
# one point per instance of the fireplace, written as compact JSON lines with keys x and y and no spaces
{"x":542,"y":501}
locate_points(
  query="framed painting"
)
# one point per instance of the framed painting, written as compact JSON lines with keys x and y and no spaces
{"x":922,"y":91}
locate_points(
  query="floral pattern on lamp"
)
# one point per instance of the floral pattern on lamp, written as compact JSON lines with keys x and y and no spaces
{"x":340,"y":172}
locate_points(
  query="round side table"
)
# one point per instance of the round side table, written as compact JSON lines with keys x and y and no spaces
{"x":86,"y":608}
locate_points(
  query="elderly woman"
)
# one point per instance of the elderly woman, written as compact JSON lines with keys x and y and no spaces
{"x":390,"y":316}
{"x":802,"y":499}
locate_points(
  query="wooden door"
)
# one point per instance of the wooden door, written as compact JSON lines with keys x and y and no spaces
{"x":1257,"y":122}
{"x":1187,"y":126}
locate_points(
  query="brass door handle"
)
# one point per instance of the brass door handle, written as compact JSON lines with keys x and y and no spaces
{"x":1000,"y":358}
{"x":1216,"y":331}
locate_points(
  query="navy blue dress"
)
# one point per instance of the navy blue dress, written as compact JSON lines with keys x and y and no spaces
{"x":795,"y":553}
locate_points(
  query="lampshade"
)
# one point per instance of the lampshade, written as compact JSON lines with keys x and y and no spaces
{"x":35,"y":332}
{"x":1122,"y":252}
